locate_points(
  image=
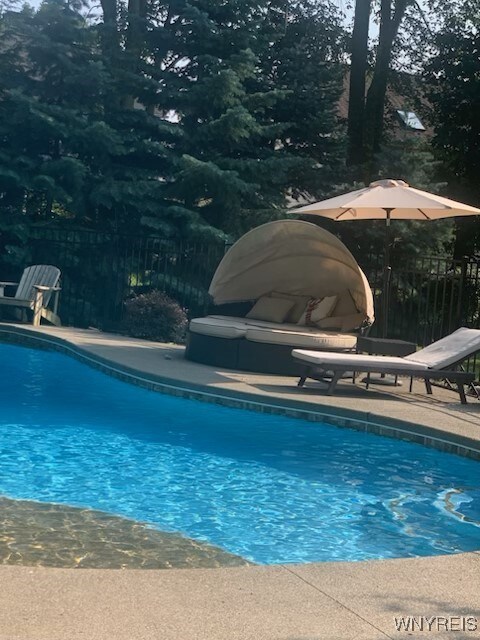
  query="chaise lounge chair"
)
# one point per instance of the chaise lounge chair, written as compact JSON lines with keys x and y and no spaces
{"x":34,"y":292}
{"x":437,"y":361}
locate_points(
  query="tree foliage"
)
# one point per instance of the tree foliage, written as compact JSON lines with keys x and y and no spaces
{"x":177,"y":116}
{"x":254,"y":88}
{"x":453,"y":76}
{"x":303,"y":55}
{"x":202,"y":118}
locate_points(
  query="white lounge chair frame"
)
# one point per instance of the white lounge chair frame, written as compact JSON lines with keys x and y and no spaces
{"x":38,"y":284}
{"x":435,"y":362}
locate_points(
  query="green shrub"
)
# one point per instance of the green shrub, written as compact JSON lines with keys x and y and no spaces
{"x":155,"y":316}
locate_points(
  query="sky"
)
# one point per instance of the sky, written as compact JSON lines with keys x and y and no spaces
{"x":342,"y":5}
{"x":345,"y":7}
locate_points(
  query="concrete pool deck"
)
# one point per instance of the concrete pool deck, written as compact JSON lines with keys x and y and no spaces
{"x":289,"y":602}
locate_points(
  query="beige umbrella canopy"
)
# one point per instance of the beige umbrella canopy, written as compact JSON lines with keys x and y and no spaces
{"x":388,"y":200}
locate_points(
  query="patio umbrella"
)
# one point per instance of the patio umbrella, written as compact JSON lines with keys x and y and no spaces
{"x":388,"y":200}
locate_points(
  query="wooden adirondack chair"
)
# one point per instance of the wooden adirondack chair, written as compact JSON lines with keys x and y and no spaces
{"x":34,"y":292}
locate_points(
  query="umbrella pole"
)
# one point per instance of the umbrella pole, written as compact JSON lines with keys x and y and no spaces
{"x":387,"y":272}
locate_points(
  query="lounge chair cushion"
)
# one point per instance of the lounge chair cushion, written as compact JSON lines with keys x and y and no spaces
{"x":314,"y":339}
{"x":356,"y":361}
{"x":449,"y":350}
{"x":270,"y":309}
{"x":441,"y":354}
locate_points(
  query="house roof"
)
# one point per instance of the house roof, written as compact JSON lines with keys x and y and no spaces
{"x":404,"y":93}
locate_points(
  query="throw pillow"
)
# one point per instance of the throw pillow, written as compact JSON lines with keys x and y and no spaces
{"x":270,"y":309}
{"x":317,"y":309}
{"x":299,"y":304}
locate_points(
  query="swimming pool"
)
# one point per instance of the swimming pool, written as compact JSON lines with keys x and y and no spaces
{"x":267,"y":488}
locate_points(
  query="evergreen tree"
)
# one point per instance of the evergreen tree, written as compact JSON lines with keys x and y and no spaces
{"x":253,"y":130}
{"x":229,"y":170}
{"x":453,"y":77}
{"x":191,"y":117}
{"x":303,"y":47}
{"x":71,"y":147}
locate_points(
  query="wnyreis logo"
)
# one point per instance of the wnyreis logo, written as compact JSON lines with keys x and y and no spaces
{"x":427,"y":624}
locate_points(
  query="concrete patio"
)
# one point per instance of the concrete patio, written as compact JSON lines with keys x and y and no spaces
{"x":289,"y":602}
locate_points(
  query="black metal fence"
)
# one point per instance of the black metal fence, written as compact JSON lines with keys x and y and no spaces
{"x":429,"y":297}
{"x":101,"y":270}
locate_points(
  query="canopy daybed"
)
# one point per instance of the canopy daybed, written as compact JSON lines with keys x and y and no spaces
{"x":321,"y":299}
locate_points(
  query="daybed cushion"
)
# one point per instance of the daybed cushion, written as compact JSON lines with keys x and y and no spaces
{"x":315,"y":339}
{"x":233,"y":327}
{"x":271,"y":333}
{"x":355,"y":362}
{"x":248,"y":323}
{"x":346,"y":323}
{"x":218,"y":327}
{"x":270,"y":309}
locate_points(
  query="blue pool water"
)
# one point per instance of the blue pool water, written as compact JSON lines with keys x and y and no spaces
{"x":268,"y":488}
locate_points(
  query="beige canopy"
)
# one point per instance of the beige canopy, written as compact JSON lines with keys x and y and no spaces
{"x":393,"y":199}
{"x":290,"y":256}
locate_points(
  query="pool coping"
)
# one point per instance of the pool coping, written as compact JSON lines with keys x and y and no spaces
{"x":302,"y":409}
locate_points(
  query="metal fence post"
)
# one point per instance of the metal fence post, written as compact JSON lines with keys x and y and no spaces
{"x":461,"y":286}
